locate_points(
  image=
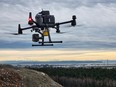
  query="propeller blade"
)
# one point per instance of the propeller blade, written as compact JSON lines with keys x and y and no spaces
{"x":78,"y":25}
{"x":61,"y":32}
{"x":15,"y":34}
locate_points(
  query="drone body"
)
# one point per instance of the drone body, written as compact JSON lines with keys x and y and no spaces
{"x":44,"y":21}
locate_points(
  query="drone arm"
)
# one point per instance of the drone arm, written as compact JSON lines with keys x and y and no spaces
{"x":20,"y":30}
{"x":63,"y":22}
{"x":28,"y":28}
{"x":73,"y":21}
{"x":58,"y":25}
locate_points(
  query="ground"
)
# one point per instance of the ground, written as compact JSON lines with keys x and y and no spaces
{"x":13,"y":77}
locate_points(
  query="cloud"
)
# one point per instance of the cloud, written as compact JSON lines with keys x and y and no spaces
{"x":97,"y":17}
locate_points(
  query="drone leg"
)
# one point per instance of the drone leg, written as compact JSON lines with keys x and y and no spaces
{"x":49,"y":37}
{"x":42,"y":40}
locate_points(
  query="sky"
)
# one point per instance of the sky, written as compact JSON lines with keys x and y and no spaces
{"x":94,"y":37}
{"x":56,"y":55}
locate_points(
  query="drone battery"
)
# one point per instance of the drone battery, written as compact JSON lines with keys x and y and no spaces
{"x":45,"y":13}
{"x":45,"y":33}
{"x":48,"y":19}
{"x":43,"y":20}
{"x":35,"y":37}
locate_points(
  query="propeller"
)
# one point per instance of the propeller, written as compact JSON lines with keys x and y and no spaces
{"x":19,"y":31}
{"x":61,"y":32}
{"x":78,"y":25}
{"x":16,"y":34}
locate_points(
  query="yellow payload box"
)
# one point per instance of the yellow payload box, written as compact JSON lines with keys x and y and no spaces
{"x":45,"y":33}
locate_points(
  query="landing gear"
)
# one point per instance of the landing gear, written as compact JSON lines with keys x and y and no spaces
{"x":40,"y":38}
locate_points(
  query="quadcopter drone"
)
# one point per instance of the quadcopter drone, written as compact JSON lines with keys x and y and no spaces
{"x":44,"y":21}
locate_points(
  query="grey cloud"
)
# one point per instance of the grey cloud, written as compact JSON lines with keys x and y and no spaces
{"x":69,"y":2}
{"x":97,"y":30}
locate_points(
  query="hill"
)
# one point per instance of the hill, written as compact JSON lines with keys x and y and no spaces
{"x":21,"y":77}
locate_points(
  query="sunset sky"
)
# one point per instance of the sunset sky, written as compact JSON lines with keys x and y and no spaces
{"x":56,"y":55}
{"x":94,"y":37}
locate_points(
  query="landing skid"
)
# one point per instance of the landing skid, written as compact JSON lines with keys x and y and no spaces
{"x":42,"y":44}
{"x":52,"y":42}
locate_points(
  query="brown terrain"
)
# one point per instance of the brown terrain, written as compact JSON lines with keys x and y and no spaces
{"x":12,"y":77}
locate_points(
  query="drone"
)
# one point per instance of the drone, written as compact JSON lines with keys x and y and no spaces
{"x":43,"y":22}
